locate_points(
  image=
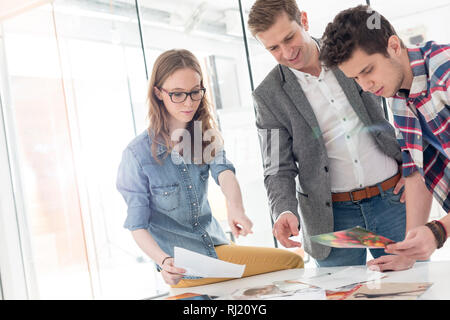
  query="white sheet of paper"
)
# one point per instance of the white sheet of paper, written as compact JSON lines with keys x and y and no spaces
{"x":305,"y":294}
{"x":348,"y":276}
{"x":199,"y":265}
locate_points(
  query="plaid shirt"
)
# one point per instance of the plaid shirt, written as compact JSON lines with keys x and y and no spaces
{"x":428,"y":95}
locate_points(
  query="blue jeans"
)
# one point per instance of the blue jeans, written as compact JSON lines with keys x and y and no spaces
{"x":383,"y":214}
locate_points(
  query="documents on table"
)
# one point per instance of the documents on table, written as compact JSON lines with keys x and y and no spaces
{"x":348,"y":276}
{"x":305,"y":294}
{"x":391,"y":291}
{"x":278,"y":290}
{"x":199,"y":265}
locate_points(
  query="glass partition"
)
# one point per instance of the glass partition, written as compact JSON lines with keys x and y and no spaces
{"x":76,"y":81}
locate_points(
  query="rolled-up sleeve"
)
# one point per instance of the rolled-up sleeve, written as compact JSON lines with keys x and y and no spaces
{"x":408,"y":165}
{"x":219,"y":164}
{"x":133,"y":185}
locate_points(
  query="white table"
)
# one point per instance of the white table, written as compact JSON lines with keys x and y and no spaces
{"x":437,"y":272}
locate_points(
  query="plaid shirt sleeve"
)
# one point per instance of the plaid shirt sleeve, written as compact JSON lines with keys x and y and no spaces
{"x":408,"y":165}
{"x":430,"y":97}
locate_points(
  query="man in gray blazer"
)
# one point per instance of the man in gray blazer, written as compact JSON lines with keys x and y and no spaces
{"x":319,"y":126}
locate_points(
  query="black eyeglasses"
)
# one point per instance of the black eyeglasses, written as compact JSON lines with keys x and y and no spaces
{"x":179,"y":96}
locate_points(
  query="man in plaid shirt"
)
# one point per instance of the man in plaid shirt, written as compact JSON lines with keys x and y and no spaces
{"x":364,"y":45}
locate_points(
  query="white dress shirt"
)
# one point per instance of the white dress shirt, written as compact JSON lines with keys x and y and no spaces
{"x":355,"y":159}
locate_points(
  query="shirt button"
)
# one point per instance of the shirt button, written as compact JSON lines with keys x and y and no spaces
{"x":190,"y":187}
{"x":195,"y":224}
{"x":209,"y":245}
{"x":204,"y":235}
{"x":356,"y":161}
{"x":194,"y":204}
{"x":328,"y":204}
{"x":166,"y":193}
{"x":184,"y":169}
{"x":348,"y":137}
{"x":418,"y":137}
{"x":332,"y":101}
{"x":326,"y":169}
{"x":344,"y":119}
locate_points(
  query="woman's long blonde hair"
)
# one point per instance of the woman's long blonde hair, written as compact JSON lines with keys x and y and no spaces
{"x":165,"y":65}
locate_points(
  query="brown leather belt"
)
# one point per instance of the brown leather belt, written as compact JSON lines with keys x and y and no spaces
{"x":367,"y":192}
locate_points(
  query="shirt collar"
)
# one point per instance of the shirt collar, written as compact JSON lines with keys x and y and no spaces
{"x":419,"y":83}
{"x":403,"y":93}
{"x":161,"y":147}
{"x":305,"y":78}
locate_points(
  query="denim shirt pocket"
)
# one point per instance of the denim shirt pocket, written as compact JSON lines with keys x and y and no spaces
{"x":204,"y":172}
{"x":167,"y":197}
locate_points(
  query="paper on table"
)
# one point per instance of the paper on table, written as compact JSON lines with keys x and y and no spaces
{"x":199,"y":265}
{"x":305,"y":294}
{"x":350,"y":275}
{"x":391,"y":291}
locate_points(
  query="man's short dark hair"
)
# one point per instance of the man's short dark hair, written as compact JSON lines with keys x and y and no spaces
{"x":358,"y":27}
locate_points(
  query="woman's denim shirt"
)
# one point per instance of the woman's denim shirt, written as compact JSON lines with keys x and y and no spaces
{"x":170,"y":200}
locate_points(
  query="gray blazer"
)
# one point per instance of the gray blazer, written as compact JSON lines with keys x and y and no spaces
{"x":281,"y":104}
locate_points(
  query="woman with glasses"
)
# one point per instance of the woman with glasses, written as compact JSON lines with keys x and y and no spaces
{"x":163,"y":177}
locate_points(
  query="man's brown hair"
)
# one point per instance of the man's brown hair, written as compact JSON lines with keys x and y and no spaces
{"x":264,"y":13}
{"x":358,"y":27}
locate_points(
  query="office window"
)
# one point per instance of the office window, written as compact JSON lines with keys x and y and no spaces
{"x":416,"y":22}
{"x":46,"y":182}
{"x":76,"y":81}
